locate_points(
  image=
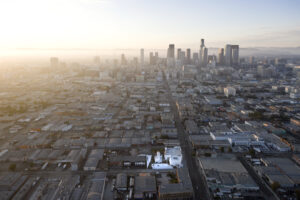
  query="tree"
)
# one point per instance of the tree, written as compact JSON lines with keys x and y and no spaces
{"x":164,"y":137}
{"x":31,"y":164}
{"x":12,"y":167}
{"x":252,"y":152}
{"x":256,"y":115}
{"x":297,"y":192}
{"x":275,"y":185}
{"x":222,"y":149}
{"x":207,"y":154}
{"x":173,"y":177}
{"x":88,"y":135}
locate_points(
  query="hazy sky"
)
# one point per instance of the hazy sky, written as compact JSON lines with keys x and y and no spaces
{"x":148,"y":23}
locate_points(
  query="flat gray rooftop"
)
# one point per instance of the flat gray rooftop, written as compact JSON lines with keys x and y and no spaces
{"x":223,"y":164}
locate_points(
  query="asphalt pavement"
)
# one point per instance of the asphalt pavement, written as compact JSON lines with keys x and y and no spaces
{"x":201,"y":191}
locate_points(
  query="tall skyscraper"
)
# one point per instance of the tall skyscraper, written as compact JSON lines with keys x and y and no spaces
{"x":204,"y":57}
{"x":228,"y":54}
{"x":156,"y":57}
{"x":182,"y":56}
{"x":151,"y":58}
{"x":251,"y":60}
{"x":231,"y":55}
{"x":201,"y":51}
{"x":142,"y":57}
{"x":123,"y":60}
{"x":171,"y":56}
{"x":203,"y":54}
{"x":171,"y":51}
{"x":188,"y":56}
{"x":221,"y":56}
{"x":202,"y":43}
{"x":54,"y":62}
{"x":195,"y":58}
{"x":178,"y":53}
{"x":235,"y":54}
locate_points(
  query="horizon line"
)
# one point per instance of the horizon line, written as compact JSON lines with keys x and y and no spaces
{"x":90,"y":49}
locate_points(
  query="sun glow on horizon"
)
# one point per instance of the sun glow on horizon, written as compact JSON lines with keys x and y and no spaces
{"x":143,"y":24}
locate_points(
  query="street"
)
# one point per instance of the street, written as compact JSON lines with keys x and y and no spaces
{"x":200,"y":187}
{"x":266,"y":190}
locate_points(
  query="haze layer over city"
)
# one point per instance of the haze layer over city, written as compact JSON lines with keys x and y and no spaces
{"x":161,"y":100}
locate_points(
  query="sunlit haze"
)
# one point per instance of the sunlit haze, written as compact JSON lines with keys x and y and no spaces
{"x":109,"y":24}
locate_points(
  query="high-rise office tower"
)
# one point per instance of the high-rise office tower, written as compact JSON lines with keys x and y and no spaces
{"x":142,"y":58}
{"x":203,"y":54}
{"x":228,"y":55}
{"x":235,"y":54}
{"x":231,"y":55}
{"x":171,"y":51}
{"x":251,"y":60}
{"x":201,"y":51}
{"x":221,"y":56}
{"x":204,"y":57}
{"x":151,"y":58}
{"x":188,"y":56}
{"x":202,"y":43}
{"x":171,"y":56}
{"x":182,"y":56}
{"x":195,"y":58}
{"x":54,"y":62}
{"x":178,"y":53}
{"x":156,"y":57}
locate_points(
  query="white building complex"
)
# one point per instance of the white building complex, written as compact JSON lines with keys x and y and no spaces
{"x":174,"y":156}
{"x":229,"y":91}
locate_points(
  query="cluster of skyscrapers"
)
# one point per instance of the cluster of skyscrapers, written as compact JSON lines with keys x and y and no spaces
{"x":228,"y":56}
